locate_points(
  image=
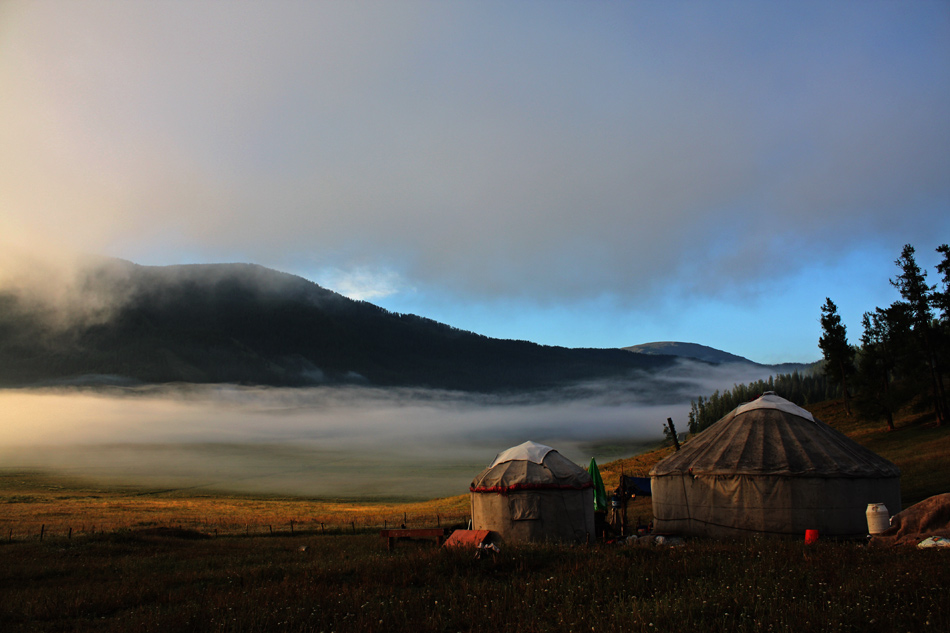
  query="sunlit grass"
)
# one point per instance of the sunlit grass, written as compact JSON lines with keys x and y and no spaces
{"x":33,"y":503}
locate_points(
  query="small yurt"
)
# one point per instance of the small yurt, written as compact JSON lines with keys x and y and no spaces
{"x":769,"y":467}
{"x":533,"y":493}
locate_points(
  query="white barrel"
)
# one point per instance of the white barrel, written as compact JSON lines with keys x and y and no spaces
{"x":878,"y":518}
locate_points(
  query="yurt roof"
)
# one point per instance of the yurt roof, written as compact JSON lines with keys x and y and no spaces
{"x":531,"y":466}
{"x":529,"y":451}
{"x":772,"y":436}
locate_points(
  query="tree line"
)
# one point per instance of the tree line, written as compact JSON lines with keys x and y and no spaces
{"x":800,"y":388}
{"x":904,"y":347}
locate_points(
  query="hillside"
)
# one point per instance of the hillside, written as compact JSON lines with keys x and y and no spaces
{"x":246,"y":324}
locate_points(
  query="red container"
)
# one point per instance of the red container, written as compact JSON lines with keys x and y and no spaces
{"x":811,"y":536}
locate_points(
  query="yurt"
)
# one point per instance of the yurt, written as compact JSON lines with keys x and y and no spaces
{"x":532,"y":493}
{"x":769,"y":467}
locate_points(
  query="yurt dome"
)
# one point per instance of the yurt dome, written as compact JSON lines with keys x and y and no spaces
{"x":533,"y":493}
{"x":769,"y":467}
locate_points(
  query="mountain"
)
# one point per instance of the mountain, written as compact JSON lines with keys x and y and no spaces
{"x":246,"y":324}
{"x":688,"y":350}
{"x":710,"y":355}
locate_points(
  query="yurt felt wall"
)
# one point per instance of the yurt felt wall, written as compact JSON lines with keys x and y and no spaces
{"x":533,"y":493}
{"x":769,"y":467}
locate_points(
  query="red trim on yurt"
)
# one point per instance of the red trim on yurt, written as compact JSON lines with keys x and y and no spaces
{"x":515,"y":487}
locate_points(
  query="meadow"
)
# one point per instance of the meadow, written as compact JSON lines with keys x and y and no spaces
{"x":146,"y":581}
{"x":75,"y":556}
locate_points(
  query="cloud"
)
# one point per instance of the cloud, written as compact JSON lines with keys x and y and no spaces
{"x":486,"y":155}
{"x":62,"y":289}
{"x":364,"y":284}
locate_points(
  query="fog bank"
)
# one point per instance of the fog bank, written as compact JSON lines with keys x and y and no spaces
{"x":340,"y":442}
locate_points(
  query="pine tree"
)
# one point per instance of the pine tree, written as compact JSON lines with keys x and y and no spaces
{"x":696,"y":416}
{"x":883,"y":353}
{"x":839,"y":355}
{"x":918,"y":297}
{"x":941,"y":302}
{"x":942,"y":298}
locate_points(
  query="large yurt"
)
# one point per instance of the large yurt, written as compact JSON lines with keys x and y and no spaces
{"x":769,"y":467}
{"x":533,"y":493}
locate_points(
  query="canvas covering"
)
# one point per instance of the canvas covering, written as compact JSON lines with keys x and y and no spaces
{"x":523,"y":500}
{"x":771,"y":468}
{"x":930,"y":517}
{"x":529,"y":451}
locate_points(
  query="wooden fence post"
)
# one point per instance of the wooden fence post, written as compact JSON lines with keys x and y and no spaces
{"x":676,"y":442}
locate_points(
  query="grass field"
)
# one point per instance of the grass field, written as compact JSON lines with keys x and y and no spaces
{"x":32,"y":503}
{"x":75,"y":556}
{"x":147,"y":582}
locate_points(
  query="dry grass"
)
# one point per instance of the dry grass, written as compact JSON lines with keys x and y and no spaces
{"x":34,"y":502}
{"x":636,"y":466}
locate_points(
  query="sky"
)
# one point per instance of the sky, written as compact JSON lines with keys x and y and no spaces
{"x":571,"y":173}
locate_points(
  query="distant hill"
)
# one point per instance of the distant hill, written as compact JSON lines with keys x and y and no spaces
{"x":246,"y":324}
{"x":709,"y":355}
{"x":688,"y":350}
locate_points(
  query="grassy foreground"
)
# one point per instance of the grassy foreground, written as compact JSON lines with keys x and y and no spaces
{"x":143,"y":582}
{"x":75,"y":557}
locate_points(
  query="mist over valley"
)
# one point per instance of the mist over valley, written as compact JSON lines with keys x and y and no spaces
{"x":331,"y":441}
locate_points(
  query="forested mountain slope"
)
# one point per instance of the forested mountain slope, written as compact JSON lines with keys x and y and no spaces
{"x":247,"y":324}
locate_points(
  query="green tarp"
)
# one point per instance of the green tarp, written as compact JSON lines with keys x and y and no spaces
{"x":600,"y":494}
